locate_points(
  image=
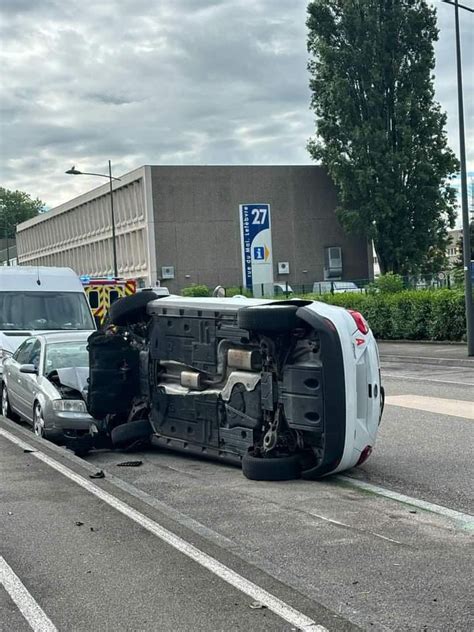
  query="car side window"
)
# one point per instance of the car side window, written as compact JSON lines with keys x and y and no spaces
{"x":34,"y":354}
{"x":22,"y":354}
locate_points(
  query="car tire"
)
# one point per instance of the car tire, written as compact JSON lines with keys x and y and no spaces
{"x":271,"y":318}
{"x":38,"y":422}
{"x":131,"y":310}
{"x":283,"y":468}
{"x":6,"y":408}
{"x":124,"y":435}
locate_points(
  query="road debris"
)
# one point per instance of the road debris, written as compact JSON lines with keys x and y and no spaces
{"x":99,"y":474}
{"x":79,"y":523}
{"x":130,"y":464}
{"x":256,"y":605}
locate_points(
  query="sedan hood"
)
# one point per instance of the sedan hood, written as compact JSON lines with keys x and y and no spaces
{"x":74,"y":377}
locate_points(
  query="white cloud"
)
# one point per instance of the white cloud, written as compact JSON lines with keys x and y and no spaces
{"x":166,"y":82}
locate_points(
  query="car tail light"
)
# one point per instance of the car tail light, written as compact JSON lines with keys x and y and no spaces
{"x":364,"y":455}
{"x":360,"y":321}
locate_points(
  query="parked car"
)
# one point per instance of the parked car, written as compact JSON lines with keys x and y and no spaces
{"x":335,"y":287}
{"x":39,"y":299}
{"x":286,"y":389}
{"x":282,"y":289}
{"x":44,"y":382}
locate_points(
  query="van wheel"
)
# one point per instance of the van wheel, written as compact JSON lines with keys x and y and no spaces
{"x":124,"y":435}
{"x":6,"y":409}
{"x":131,"y":310}
{"x":282,"y":468}
{"x":276,"y":318}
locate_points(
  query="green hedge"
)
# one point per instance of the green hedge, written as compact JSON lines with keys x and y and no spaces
{"x":408,"y":315}
{"x":196,"y":290}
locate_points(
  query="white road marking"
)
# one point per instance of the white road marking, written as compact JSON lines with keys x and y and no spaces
{"x":255,"y":592}
{"x":453,"y":407}
{"x":28,"y":607}
{"x":424,"y":379}
{"x":466,"y":519}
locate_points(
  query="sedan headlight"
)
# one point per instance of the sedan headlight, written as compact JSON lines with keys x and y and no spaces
{"x":69,"y":405}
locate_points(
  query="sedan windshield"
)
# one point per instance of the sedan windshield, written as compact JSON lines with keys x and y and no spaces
{"x":61,"y":355}
{"x":44,"y":310}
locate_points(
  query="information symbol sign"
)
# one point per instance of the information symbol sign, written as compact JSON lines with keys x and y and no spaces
{"x":259,"y":253}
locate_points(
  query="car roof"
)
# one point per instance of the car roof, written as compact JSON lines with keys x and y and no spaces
{"x":64,"y":336}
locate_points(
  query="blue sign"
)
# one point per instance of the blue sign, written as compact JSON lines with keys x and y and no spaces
{"x":254,"y":219}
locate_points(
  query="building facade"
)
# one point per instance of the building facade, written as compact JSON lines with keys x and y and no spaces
{"x":180,"y":225}
{"x":453,"y":251}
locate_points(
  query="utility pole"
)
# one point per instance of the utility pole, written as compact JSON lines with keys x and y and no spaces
{"x":464,"y":202}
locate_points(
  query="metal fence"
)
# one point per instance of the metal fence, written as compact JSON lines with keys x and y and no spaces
{"x":281,"y":289}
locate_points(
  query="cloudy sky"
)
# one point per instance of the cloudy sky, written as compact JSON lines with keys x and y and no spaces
{"x":167,"y":82}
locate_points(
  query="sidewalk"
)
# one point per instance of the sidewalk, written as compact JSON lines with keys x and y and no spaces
{"x":425,"y":353}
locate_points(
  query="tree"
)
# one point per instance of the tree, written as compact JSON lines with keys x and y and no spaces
{"x":16,"y":207}
{"x":380,"y":133}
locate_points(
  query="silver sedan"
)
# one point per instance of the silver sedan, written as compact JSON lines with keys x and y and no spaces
{"x":44,"y":382}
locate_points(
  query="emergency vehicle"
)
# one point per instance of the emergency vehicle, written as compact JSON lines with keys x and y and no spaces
{"x":102,"y":292}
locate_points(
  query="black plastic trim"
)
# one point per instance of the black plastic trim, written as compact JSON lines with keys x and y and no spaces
{"x":334,"y":392}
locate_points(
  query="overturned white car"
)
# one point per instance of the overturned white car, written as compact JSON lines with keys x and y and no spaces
{"x":287,"y":388}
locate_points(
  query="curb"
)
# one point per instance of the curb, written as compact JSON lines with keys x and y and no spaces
{"x":451,"y":362}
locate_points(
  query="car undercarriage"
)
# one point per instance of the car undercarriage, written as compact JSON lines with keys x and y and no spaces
{"x":261,"y":384}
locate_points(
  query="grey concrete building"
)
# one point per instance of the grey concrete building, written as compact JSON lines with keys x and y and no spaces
{"x":180,"y":225}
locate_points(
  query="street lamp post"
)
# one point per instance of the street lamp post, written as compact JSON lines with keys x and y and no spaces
{"x":75,"y":172}
{"x":464,"y":204}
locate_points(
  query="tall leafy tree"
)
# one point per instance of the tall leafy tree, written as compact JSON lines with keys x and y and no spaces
{"x":16,"y":207}
{"x":380,"y":133}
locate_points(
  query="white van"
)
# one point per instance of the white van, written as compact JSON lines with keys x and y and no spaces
{"x":34,"y":299}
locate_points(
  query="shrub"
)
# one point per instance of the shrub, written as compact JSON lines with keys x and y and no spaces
{"x":196,"y":290}
{"x":389,"y":283}
{"x":410,"y":315}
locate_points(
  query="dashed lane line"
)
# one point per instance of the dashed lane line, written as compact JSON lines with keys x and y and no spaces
{"x":255,"y":592}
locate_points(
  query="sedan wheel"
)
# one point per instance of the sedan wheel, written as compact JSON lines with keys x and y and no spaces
{"x":38,"y":422}
{"x":6,"y":410}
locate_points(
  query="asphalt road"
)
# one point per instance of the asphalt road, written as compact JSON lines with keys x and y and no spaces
{"x":425,"y":454}
{"x":341,"y":556}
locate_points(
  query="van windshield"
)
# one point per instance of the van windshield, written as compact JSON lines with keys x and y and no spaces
{"x":44,"y":310}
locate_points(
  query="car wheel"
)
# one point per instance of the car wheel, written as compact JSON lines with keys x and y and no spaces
{"x":282,"y":468}
{"x":6,"y":409}
{"x":274,"y":318}
{"x":38,"y":422}
{"x":131,"y":309}
{"x":125,"y":434}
